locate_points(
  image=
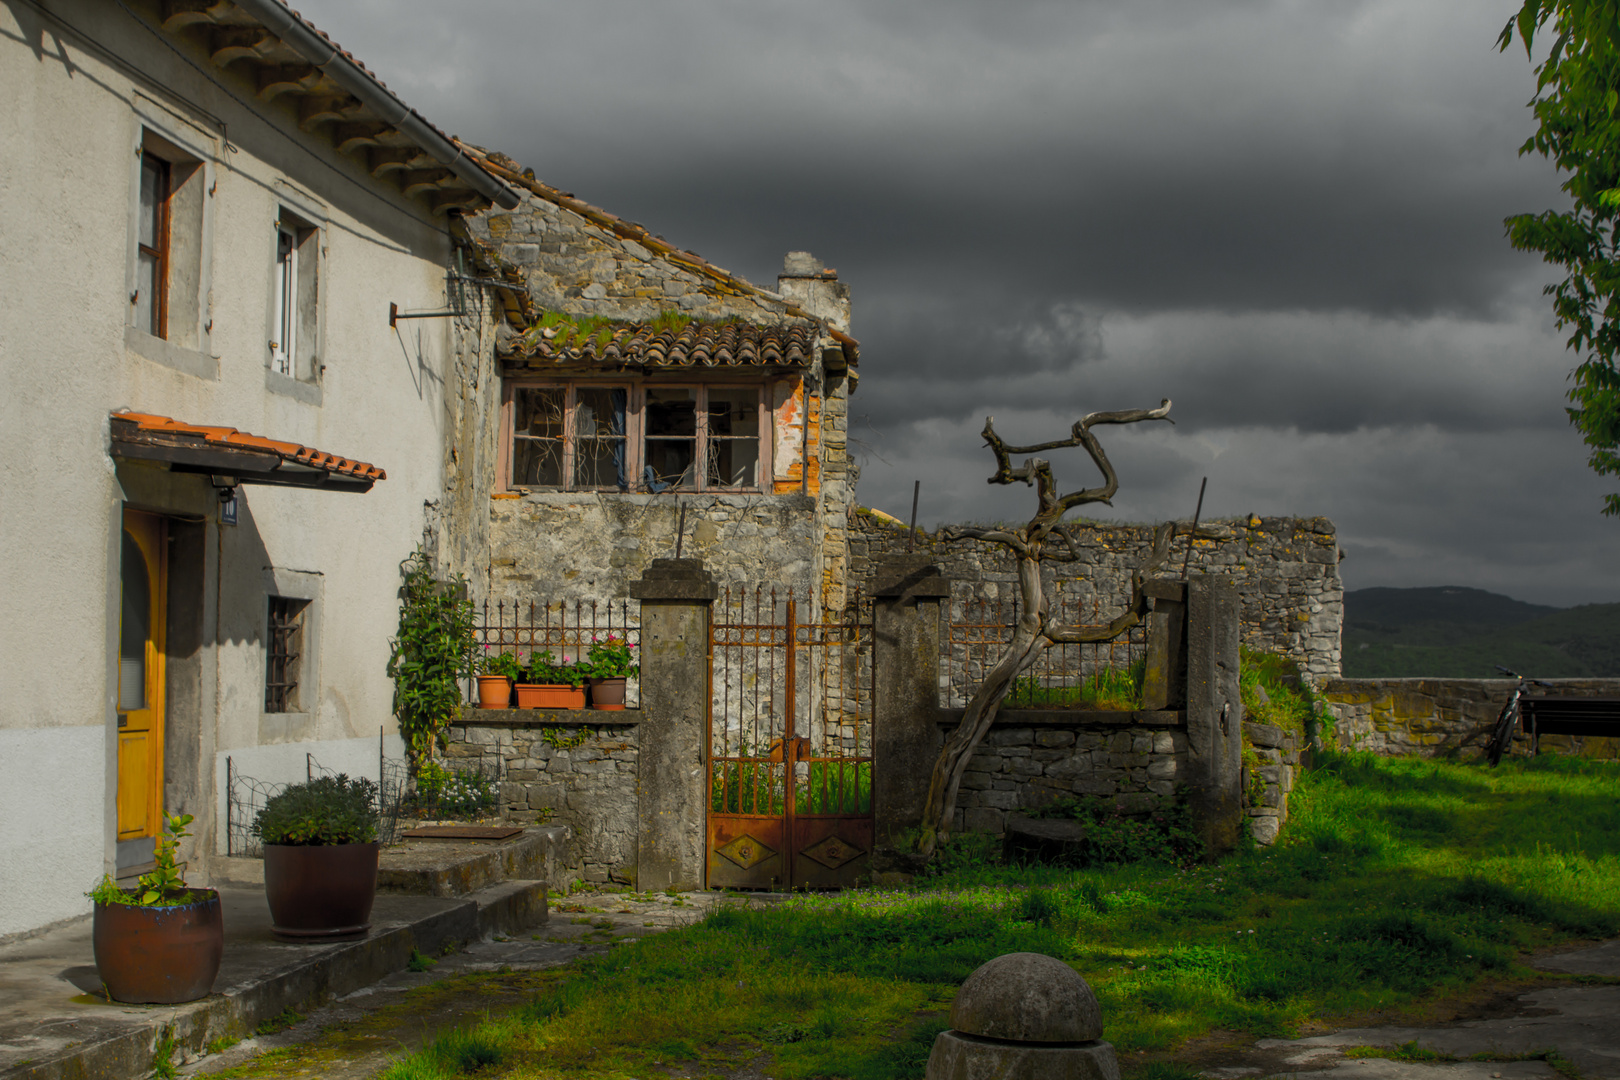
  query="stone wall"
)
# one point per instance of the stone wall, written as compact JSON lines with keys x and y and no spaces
{"x":1286,"y":571}
{"x":1445,"y":717}
{"x":1031,"y":758}
{"x":591,"y":786}
{"x":1270,"y":759}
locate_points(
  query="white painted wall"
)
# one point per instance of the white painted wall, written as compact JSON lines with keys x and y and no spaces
{"x":69,"y":131}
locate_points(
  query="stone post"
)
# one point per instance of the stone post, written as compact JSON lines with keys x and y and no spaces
{"x":676,"y":596}
{"x":1164,"y":681}
{"x":1214,"y":712}
{"x":907,"y":590}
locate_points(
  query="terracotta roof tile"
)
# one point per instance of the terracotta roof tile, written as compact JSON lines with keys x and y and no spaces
{"x":228,"y":437}
{"x":724,"y":282}
{"x":732,"y":344}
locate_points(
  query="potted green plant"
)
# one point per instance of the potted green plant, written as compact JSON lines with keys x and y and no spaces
{"x":611,"y":665}
{"x":320,"y":857}
{"x":159,"y":943}
{"x":496,"y":674}
{"x":551,"y":684}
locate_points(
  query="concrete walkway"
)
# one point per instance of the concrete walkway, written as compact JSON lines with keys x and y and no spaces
{"x":1581,"y":1023}
{"x":358,"y":1035}
{"x":55,"y":1021}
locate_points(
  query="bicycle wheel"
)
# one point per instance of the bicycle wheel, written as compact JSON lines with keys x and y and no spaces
{"x":1502,"y":732}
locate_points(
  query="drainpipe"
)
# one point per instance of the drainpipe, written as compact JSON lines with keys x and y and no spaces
{"x":341,"y":69}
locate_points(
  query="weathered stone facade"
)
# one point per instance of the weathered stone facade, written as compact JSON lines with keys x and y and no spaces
{"x":1286,"y":571}
{"x":586,"y":545}
{"x":563,"y":256}
{"x":571,"y":767}
{"x":1445,"y":717}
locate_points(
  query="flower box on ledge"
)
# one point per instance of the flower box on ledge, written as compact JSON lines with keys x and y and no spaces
{"x":550,"y":696}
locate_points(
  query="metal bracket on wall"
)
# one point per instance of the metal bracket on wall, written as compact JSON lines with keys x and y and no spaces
{"x":455,"y":282}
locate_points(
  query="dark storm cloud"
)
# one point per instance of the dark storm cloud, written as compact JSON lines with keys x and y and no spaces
{"x":1286,"y":215}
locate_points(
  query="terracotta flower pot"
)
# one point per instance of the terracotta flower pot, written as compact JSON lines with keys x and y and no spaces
{"x":608,"y":693}
{"x":550,"y":696}
{"x":320,"y":891}
{"x":160,"y":955}
{"x":494,"y":691}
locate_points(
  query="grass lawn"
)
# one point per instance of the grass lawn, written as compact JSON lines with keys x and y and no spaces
{"x":1398,"y":883}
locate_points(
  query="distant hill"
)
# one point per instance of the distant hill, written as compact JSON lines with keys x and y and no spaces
{"x":1453,"y":632}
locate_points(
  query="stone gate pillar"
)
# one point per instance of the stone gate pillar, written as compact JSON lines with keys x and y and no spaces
{"x":1214,"y":712}
{"x":905,"y":717}
{"x":676,"y":596}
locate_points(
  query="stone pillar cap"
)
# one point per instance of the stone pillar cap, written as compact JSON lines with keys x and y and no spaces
{"x":1027,"y":997}
{"x":675,"y":579}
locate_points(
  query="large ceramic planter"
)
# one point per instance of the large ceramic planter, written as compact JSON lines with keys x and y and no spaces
{"x":160,"y":955}
{"x":494,"y":691}
{"x":320,"y":891}
{"x":550,"y":696}
{"x":608,"y":693}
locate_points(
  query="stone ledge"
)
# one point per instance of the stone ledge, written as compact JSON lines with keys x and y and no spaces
{"x":1076,"y":718}
{"x":547,"y":718}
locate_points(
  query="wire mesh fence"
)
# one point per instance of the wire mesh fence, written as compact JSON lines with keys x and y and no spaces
{"x":1075,"y":675}
{"x":438,"y":793}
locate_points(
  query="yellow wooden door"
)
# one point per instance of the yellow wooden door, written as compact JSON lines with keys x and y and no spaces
{"x":144,"y":587}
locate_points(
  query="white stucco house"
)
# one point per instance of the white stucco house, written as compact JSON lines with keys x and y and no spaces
{"x":218,"y":444}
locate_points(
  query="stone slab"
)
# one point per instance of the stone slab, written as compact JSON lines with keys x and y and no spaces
{"x":457,"y":868}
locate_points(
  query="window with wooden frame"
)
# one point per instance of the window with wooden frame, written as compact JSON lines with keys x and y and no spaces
{"x":639,"y":435}
{"x":152,"y":247}
{"x":294,"y":326}
{"x":168,"y":286}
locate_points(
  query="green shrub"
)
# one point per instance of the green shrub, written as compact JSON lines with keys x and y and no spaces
{"x":1274,"y":693}
{"x":1113,"y":839}
{"x":452,"y":792}
{"x":327,"y":810}
{"x":432,"y":655}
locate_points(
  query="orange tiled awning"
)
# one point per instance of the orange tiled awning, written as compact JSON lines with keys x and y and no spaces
{"x":242,"y":458}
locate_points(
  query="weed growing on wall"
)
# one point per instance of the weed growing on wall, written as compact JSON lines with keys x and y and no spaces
{"x":1274,"y":693}
{"x":432,"y":655}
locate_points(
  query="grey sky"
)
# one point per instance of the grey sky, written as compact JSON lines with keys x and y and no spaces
{"x":1283,"y":214}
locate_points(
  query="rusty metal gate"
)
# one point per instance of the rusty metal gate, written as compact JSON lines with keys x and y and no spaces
{"x":789,"y":743}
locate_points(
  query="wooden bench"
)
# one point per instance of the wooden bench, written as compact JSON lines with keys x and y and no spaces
{"x":1599,"y":716}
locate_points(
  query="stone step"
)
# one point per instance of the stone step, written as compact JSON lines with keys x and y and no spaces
{"x":442,"y":867}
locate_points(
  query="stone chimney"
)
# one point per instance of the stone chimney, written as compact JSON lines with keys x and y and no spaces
{"x":807,"y":284}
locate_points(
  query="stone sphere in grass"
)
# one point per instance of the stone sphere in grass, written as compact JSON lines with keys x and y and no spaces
{"x":1027,"y":997}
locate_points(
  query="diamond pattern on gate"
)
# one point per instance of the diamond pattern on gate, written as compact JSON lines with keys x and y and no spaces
{"x":832,"y":852}
{"x":746,"y":852}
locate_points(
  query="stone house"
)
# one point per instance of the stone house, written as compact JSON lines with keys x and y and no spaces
{"x":210,"y":210}
{"x":614,"y":388}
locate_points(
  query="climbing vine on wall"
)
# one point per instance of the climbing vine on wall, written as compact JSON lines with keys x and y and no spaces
{"x":432,"y":655}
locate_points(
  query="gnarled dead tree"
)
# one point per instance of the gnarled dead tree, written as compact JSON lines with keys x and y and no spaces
{"x":1034,"y":633}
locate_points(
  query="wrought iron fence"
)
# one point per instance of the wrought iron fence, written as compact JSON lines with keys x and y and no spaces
{"x":1088,"y":675}
{"x":565,"y":629}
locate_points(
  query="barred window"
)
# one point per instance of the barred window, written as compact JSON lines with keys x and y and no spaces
{"x":283,"y":654}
